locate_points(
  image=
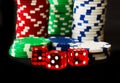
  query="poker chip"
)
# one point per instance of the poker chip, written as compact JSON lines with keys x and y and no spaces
{"x":62,"y":43}
{"x":22,"y":47}
{"x":96,"y":47}
{"x":60,"y":1}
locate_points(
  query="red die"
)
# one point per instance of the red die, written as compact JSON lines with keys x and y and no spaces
{"x":77,"y":57}
{"x":56,"y":60}
{"x":39,"y":55}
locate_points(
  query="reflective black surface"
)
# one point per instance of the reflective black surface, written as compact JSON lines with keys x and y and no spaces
{"x":20,"y":69}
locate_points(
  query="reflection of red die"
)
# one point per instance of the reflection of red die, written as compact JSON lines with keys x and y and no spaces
{"x":39,"y":55}
{"x":77,"y":57}
{"x":56,"y":60}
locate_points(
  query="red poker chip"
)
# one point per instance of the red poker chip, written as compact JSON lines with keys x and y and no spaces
{"x":31,"y":2}
{"x":40,"y":8}
{"x":27,"y":31}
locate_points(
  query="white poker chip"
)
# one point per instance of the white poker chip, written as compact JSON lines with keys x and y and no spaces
{"x":95,"y":47}
{"x":86,"y":29}
{"x":89,"y":0}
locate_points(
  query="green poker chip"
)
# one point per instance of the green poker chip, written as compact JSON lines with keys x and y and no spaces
{"x":57,"y":31}
{"x":61,"y":15}
{"x":61,"y":24}
{"x":60,"y":8}
{"x":60,"y":19}
{"x":62,"y":5}
{"x":60,"y":1}
{"x":22,"y":47}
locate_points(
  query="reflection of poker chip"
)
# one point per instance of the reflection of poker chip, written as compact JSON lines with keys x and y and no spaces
{"x":21,"y":47}
{"x":99,"y":56}
{"x":62,"y":43}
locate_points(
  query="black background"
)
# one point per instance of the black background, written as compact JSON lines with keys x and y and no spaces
{"x":10,"y":68}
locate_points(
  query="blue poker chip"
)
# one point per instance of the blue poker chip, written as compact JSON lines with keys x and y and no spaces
{"x":84,"y":33}
{"x":94,"y":24}
{"x":90,"y":11}
{"x":96,"y":39}
{"x":82,"y":17}
{"x":93,"y":36}
{"x":102,"y":1}
{"x":90,"y":22}
{"x":62,"y":42}
{"x":77,"y":6}
{"x":86,"y":29}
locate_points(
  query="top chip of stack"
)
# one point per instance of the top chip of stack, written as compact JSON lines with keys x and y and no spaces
{"x":59,"y":2}
{"x":31,"y":2}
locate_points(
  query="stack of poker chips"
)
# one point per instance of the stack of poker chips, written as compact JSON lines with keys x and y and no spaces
{"x":88,"y":27}
{"x":62,"y":43}
{"x":32,"y":18}
{"x":60,"y":17}
{"x":98,"y":51}
{"x":31,"y":27}
{"x":89,"y":20}
{"x":22,"y":47}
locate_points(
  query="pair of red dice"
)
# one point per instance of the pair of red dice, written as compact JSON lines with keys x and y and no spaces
{"x":57,"y":60}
